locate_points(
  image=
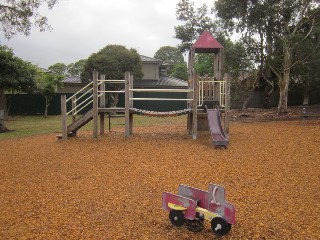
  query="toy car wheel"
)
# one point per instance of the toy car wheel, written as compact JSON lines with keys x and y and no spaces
{"x":220,"y":226}
{"x":177,"y":218}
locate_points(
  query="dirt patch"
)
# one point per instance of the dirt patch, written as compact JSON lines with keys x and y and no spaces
{"x":111,"y":188}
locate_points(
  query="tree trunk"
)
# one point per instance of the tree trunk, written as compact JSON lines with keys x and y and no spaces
{"x":3,"y":107}
{"x":245,"y":103}
{"x":284,"y":78}
{"x":114,"y":99}
{"x":306,"y":93}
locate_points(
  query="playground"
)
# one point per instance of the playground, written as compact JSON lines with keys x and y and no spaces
{"x":110,"y":187}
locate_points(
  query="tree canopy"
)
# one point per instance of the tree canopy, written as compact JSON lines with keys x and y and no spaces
{"x":273,"y":32}
{"x":15,"y":75}
{"x":19,"y":16}
{"x":170,"y":55}
{"x":75,"y":69}
{"x":113,"y":61}
{"x":47,"y":84}
{"x":180,"y":71}
{"x":58,"y":69}
{"x":194,"y":22}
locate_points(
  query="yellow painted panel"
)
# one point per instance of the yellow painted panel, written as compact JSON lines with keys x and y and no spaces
{"x":176,"y":207}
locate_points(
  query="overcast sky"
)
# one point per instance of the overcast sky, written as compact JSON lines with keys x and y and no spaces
{"x":82,"y":27}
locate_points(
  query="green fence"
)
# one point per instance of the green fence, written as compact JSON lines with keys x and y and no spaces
{"x":33,"y":104}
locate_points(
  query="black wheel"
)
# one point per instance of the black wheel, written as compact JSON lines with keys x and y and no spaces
{"x":177,"y":218}
{"x":220,"y":226}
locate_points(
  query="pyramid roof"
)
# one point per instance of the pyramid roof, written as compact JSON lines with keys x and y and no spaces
{"x":206,"y":43}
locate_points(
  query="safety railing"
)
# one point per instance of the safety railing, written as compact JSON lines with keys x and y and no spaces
{"x":208,"y":90}
{"x":103,"y":90}
{"x":131,"y":90}
{"x":79,"y":101}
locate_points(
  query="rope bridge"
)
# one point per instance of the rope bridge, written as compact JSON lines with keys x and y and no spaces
{"x":160,"y":114}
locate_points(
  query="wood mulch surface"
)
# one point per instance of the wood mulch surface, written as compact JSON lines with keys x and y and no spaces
{"x":111,"y":188}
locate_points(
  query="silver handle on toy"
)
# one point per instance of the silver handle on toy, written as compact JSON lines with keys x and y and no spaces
{"x":213,"y":201}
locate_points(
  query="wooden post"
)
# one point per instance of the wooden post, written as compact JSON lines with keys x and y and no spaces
{"x":95,"y":104}
{"x":102,"y":104}
{"x":221,"y":63}
{"x":131,"y":106}
{"x":191,"y":86}
{"x":74,"y":107}
{"x":64,"y":117}
{"x":227,"y":103}
{"x":215,"y":66}
{"x":127,"y":104}
{"x":195,"y":107}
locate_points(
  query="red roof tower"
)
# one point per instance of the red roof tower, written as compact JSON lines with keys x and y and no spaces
{"x":206,"y":43}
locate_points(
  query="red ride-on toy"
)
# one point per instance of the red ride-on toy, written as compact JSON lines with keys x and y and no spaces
{"x":193,"y":206}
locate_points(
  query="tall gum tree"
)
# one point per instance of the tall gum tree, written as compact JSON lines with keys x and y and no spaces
{"x":19,"y":16}
{"x":284,"y":19}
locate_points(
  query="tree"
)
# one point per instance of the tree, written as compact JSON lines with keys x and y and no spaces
{"x":75,"y":69}
{"x":204,"y":64}
{"x":47,"y":84}
{"x":18,"y":16}
{"x":305,"y":72}
{"x":180,"y":71}
{"x":170,"y":55}
{"x":15,"y":75}
{"x":113,"y":61}
{"x":58,"y":69}
{"x":275,"y":26}
{"x":195,"y":21}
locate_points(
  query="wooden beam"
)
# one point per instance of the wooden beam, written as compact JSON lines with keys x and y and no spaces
{"x":64,"y":117}
{"x":190,"y":95}
{"x":102,"y":104}
{"x":95,"y":104}
{"x":131,"y":105}
{"x":227,"y":103}
{"x":195,"y":107}
{"x":74,"y":105}
{"x":127,"y":105}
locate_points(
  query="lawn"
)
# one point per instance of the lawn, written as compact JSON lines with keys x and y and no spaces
{"x":22,"y":126}
{"x":110,"y":188}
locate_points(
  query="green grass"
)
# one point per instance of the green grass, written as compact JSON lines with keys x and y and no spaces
{"x":22,"y":126}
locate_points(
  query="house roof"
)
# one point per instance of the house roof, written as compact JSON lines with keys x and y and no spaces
{"x":206,"y":43}
{"x":72,"y":80}
{"x":146,"y":59}
{"x":163,"y":81}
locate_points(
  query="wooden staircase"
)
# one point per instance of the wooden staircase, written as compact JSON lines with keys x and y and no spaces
{"x":79,"y":123}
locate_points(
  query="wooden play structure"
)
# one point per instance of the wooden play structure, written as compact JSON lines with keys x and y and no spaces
{"x":201,"y":91}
